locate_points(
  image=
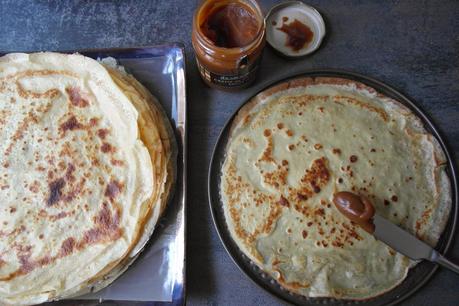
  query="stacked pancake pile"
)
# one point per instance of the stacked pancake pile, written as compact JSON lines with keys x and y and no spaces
{"x":295,"y":145}
{"x":86,"y":169}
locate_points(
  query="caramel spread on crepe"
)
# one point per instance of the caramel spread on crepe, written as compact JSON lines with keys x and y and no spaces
{"x":297,"y":144}
{"x":358,"y":209}
{"x":80,"y":182}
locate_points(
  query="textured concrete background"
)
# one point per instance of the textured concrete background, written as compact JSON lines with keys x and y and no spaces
{"x":412,"y":45}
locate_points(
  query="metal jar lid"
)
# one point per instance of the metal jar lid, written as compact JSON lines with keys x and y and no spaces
{"x":285,"y":14}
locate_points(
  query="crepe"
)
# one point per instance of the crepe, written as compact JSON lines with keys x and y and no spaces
{"x":86,"y":170}
{"x":295,"y":145}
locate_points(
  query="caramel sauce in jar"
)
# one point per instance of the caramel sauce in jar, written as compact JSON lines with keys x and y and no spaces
{"x":228,"y":38}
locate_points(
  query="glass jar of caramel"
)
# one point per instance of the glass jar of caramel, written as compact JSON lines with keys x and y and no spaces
{"x":228,"y":39}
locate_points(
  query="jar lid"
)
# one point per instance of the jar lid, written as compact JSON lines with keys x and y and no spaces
{"x":294,"y":29}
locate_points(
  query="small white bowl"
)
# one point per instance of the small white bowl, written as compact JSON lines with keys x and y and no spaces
{"x":294,"y":10}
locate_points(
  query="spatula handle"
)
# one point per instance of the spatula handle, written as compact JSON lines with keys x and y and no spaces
{"x":442,"y":261}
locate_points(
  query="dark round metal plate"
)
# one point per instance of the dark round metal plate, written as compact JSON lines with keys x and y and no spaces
{"x":417,"y":276}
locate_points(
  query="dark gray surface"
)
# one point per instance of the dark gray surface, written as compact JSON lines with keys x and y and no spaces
{"x":411,"y":45}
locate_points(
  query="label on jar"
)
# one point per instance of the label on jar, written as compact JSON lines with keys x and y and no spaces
{"x":244,"y":76}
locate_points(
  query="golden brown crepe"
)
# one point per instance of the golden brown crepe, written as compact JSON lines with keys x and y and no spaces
{"x":295,"y":145}
{"x":86,"y":170}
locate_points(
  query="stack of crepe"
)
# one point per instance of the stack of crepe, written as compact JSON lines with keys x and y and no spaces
{"x":86,"y":169}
